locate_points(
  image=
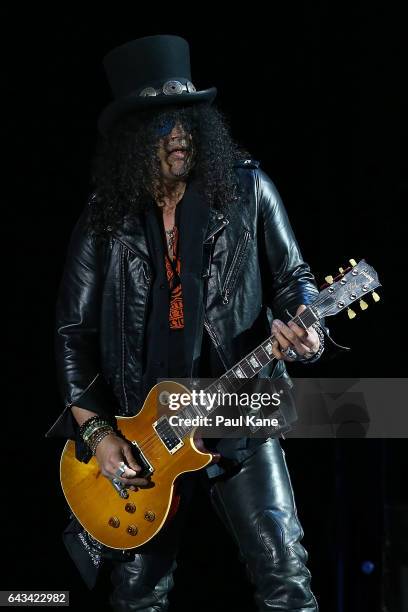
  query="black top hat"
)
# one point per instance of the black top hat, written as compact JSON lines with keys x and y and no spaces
{"x":147,"y":72}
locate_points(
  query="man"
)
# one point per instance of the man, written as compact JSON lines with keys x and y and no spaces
{"x":175,"y":268}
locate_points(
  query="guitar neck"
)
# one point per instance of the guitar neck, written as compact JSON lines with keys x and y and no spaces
{"x":260,"y":357}
{"x":238,"y":375}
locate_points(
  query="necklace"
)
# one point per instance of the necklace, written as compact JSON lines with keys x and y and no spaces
{"x":170,"y":236}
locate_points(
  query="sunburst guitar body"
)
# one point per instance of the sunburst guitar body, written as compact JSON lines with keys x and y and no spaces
{"x":128,"y":522}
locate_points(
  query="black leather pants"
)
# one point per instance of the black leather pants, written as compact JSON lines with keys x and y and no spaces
{"x":258,"y":509}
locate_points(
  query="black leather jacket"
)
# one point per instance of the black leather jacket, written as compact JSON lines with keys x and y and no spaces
{"x":253,"y":269}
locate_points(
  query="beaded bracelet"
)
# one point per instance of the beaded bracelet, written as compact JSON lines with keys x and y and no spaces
{"x":89,"y":427}
{"x":319,"y":351}
{"x":99,"y":438}
{"x":88,"y":423}
{"x":97,"y":432}
{"x":96,"y":426}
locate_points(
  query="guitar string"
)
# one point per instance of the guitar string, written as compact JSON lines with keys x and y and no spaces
{"x":152,"y":438}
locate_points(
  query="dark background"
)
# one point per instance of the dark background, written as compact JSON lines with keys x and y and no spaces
{"x":317,"y":95}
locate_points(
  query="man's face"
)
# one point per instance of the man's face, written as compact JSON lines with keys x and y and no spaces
{"x":175,"y":151}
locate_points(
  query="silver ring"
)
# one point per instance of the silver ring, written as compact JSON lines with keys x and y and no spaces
{"x":290,"y":353}
{"x":121,"y":469}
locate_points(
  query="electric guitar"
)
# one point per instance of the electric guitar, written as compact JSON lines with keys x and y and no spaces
{"x":123,"y":519}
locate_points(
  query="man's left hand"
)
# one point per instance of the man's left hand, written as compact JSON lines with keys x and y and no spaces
{"x":305,"y":342}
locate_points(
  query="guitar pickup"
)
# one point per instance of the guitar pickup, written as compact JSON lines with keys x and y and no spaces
{"x":147,"y":468}
{"x":167,"y":435}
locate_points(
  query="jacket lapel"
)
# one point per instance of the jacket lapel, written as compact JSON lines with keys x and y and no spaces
{"x":217,"y":222}
{"x":133,"y":231}
{"x":133,"y":235}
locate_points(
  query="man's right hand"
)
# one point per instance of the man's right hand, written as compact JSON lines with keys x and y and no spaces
{"x":110,"y":452}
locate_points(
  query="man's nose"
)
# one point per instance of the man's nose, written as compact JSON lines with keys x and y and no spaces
{"x":177,"y":132}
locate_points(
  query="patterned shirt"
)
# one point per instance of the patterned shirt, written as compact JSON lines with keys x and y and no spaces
{"x":176,"y":315}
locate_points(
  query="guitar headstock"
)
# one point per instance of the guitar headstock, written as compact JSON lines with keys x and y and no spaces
{"x":349,"y":286}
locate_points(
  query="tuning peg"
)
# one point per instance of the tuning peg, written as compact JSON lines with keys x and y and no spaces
{"x":376,"y":297}
{"x":341,"y":270}
{"x":352,"y":262}
{"x":351,"y":313}
{"x":363,"y":305}
{"x":329,"y":279}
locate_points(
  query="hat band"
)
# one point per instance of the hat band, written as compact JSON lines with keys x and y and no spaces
{"x":169,"y":88}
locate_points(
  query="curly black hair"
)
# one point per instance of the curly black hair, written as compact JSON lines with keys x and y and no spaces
{"x":125,"y":164}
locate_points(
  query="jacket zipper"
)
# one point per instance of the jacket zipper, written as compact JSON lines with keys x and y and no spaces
{"x":232,"y":273}
{"x":149,"y":279}
{"x":215,"y":341}
{"x":122,"y":316}
{"x":122,"y":324}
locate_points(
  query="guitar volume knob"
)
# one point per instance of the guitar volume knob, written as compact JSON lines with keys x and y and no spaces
{"x":149,"y":516}
{"x":132,"y":530}
{"x":114,"y":521}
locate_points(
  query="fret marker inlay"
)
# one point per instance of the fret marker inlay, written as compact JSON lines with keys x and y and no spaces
{"x":268,"y":348}
{"x":254,"y":362}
